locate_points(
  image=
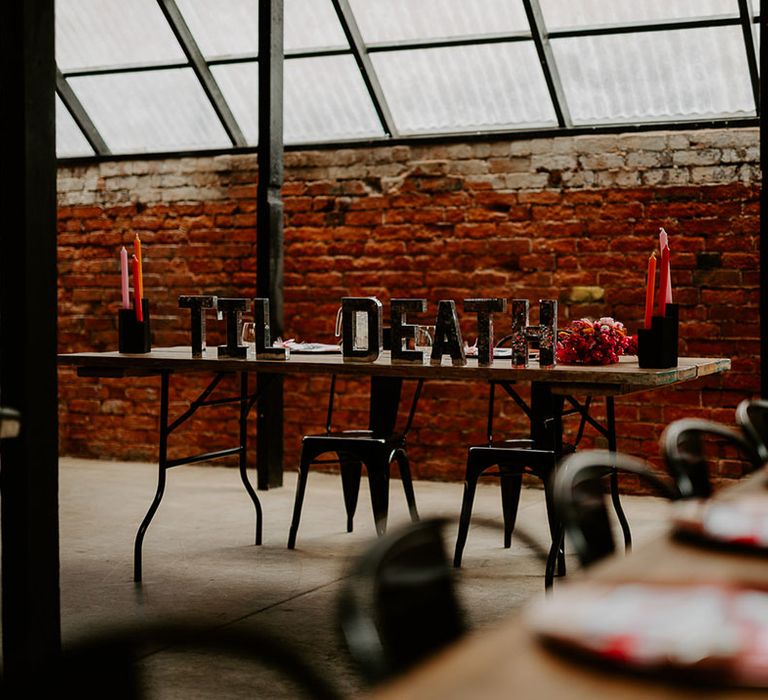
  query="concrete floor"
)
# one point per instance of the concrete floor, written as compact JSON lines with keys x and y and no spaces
{"x":200,"y":565}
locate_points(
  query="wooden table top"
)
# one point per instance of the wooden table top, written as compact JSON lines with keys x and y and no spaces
{"x":508,"y":662}
{"x":620,"y":378}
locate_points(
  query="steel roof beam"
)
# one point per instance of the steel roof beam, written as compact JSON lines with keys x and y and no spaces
{"x":746,"y":15}
{"x":81,"y":116}
{"x":548,"y":64}
{"x":364,"y":63}
{"x":211,"y":88}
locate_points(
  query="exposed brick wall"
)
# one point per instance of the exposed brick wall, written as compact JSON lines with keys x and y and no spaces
{"x":535,"y":218}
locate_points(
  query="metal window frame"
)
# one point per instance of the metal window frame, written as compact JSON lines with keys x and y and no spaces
{"x":80,"y":115}
{"x":195,"y":57}
{"x":362,"y":52}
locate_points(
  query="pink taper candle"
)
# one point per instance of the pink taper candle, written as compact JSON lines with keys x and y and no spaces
{"x":667,"y":290}
{"x":665,"y":287}
{"x":124,"y":278}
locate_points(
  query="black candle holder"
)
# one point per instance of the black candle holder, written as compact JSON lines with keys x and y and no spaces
{"x":133,"y":336}
{"x":657,"y":345}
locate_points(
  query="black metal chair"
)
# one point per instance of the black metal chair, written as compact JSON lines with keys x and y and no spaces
{"x":399,"y":604}
{"x":752,"y":418}
{"x":108,"y":664}
{"x":538,"y":457}
{"x":514,"y":458}
{"x":579,"y":496}
{"x":375,"y":448}
{"x":691,"y":445}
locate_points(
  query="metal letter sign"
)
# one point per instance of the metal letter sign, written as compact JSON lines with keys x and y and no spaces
{"x":354,"y":347}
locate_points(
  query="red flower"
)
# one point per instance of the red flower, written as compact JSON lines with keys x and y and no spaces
{"x":588,"y":342}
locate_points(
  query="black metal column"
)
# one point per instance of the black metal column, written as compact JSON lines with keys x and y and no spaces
{"x":29,"y":462}
{"x":763,"y":224}
{"x":269,"y":234}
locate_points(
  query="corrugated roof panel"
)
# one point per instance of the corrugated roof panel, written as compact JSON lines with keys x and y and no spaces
{"x":164,"y":110}
{"x":70,"y":142}
{"x":559,"y":14}
{"x":231,"y":27}
{"x":312,"y":24}
{"x":326,"y":99}
{"x":223,"y":28}
{"x":465,"y":88}
{"x":239,"y":83}
{"x":653,"y":76}
{"x":394,"y":20}
{"x":92,"y":33}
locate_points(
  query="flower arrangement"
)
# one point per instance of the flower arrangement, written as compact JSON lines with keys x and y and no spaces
{"x":588,"y":342}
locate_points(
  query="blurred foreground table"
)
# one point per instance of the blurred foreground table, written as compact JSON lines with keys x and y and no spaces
{"x":508,"y":662}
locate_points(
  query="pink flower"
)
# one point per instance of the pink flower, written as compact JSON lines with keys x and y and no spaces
{"x":588,"y":342}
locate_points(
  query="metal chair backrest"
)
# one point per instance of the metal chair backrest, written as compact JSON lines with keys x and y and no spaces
{"x":384,"y":406}
{"x":688,"y":453}
{"x":752,"y":418}
{"x":579,"y":496}
{"x":399,"y":605}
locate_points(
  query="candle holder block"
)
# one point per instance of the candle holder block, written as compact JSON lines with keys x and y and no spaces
{"x":133,"y":336}
{"x":657,"y":345}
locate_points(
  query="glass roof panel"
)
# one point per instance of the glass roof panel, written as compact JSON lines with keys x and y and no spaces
{"x":92,"y":33}
{"x":559,"y":14}
{"x":239,"y":83}
{"x":231,"y":27}
{"x":465,"y":87}
{"x":223,"y":28}
{"x":326,"y":99}
{"x":164,"y":110}
{"x":654,"y":76}
{"x":70,"y":142}
{"x":311,"y":24}
{"x":394,"y":20}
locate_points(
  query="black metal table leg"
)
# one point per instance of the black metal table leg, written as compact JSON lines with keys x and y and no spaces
{"x":162,"y":468}
{"x":614,"y":478}
{"x":547,"y":434}
{"x":245,"y":406}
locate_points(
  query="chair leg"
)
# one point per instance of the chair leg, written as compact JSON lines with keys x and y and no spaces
{"x":300,"y":487}
{"x":511,"y":484}
{"x":405,"y":474}
{"x":555,"y":552}
{"x":470,"y":485}
{"x":614,"y":481}
{"x":555,"y":529}
{"x":351,"y":472}
{"x":378,"y":481}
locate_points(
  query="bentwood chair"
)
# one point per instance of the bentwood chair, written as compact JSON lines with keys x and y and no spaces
{"x":752,"y":418}
{"x":109,"y":664}
{"x":692,"y":448}
{"x":399,"y":605}
{"x":375,"y":448}
{"x":579,"y":496}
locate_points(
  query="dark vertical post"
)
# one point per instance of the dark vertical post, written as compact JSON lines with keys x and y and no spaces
{"x":763,"y":224}
{"x":269,"y":234}
{"x":29,"y":462}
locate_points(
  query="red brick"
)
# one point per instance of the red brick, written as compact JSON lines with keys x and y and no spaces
{"x":436,"y":236}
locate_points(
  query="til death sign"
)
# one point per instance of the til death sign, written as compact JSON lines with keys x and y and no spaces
{"x":362,"y":329}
